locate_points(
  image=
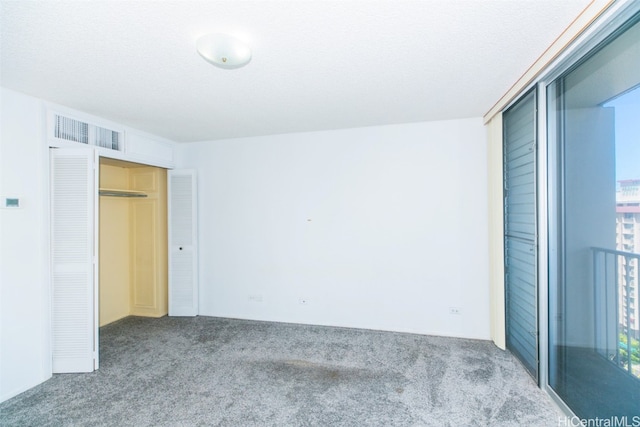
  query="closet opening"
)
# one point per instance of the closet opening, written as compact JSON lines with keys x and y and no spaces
{"x":132,"y":252}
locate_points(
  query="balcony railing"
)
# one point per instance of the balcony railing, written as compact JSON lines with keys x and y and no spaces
{"x":616,"y":330}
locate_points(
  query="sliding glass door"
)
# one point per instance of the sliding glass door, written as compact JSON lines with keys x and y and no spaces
{"x":594,"y":161}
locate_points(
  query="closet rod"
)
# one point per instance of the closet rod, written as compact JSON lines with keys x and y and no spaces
{"x":112,"y":193}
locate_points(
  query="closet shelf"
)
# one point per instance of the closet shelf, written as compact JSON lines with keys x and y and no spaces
{"x":111,"y":192}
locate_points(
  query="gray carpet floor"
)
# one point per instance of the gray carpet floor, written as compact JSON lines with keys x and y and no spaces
{"x":206,"y":371}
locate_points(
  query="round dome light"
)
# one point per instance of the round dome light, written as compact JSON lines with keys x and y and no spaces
{"x":223,"y":50}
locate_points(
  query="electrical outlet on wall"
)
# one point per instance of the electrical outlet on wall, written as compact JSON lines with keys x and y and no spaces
{"x":255,"y":298}
{"x":455,"y":311}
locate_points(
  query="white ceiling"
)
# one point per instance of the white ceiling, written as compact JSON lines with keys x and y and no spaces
{"x":316,"y":64}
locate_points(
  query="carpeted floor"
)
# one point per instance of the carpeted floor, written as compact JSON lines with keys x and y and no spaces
{"x":207,"y":371}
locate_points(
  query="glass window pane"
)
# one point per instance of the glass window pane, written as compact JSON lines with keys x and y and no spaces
{"x":594,"y":355}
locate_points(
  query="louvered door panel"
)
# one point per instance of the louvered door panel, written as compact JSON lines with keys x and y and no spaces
{"x":183,"y":283}
{"x":74,"y":327}
{"x":521,"y":287}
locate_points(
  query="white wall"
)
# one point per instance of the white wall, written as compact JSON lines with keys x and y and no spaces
{"x":496,"y":231}
{"x":381,"y":227}
{"x":25,"y":358}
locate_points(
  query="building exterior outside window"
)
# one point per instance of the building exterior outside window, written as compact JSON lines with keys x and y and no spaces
{"x":628,"y":240}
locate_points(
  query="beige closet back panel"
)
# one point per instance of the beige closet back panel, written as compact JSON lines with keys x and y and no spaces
{"x":114,"y":247}
{"x":149,"y":242}
{"x":133,"y":242}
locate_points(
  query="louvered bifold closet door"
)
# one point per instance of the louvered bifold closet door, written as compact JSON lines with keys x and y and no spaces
{"x":183,"y":243}
{"x":74,"y":325}
{"x":521,"y":287}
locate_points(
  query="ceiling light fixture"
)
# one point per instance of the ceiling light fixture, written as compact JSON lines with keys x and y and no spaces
{"x":223,"y":50}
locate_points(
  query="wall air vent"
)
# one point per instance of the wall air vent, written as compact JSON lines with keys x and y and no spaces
{"x":73,"y":130}
{"x":108,"y":138}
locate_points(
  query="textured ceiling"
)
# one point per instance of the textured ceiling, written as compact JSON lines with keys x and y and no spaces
{"x":316,"y":64}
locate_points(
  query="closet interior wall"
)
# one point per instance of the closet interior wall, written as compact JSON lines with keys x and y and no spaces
{"x":132,"y":241}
